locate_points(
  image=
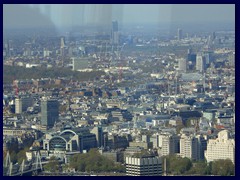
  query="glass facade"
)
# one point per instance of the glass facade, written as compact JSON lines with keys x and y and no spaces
{"x":49,"y":111}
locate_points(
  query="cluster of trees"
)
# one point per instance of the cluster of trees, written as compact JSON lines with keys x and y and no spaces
{"x":53,"y":165}
{"x":178,"y":165}
{"x":11,"y":73}
{"x":18,"y":153}
{"x":223,"y":167}
{"x":91,"y":161}
{"x":17,"y":156}
{"x":94,"y":161}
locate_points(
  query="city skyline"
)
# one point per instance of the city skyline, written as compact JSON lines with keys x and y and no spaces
{"x":119,"y":90}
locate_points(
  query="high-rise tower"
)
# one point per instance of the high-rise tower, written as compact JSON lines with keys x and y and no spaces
{"x":200,"y":63}
{"x":179,"y":34}
{"x":114,"y":33}
{"x":62,"y":50}
{"x":49,"y":112}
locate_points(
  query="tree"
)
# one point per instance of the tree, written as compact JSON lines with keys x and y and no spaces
{"x":199,"y":168}
{"x":53,"y":165}
{"x":13,"y":156}
{"x":21,"y":155}
{"x":10,"y":72}
{"x":178,"y":165}
{"x":94,"y":161}
{"x":223,"y":167}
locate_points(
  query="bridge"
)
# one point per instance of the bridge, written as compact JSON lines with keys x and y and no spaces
{"x":26,"y":168}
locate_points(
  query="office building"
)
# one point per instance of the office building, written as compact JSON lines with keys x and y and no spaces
{"x":114,"y":33}
{"x":200,"y":63}
{"x":49,"y":112}
{"x":98,"y":131}
{"x":222,"y":147}
{"x":208,"y":57}
{"x":202,"y":146}
{"x":62,"y":42}
{"x":22,"y":103}
{"x":180,"y":34}
{"x":232,"y":60}
{"x":191,"y":59}
{"x":143,"y":166}
{"x":62,"y":50}
{"x":182,"y":65}
{"x":169,"y":144}
{"x":189,"y":147}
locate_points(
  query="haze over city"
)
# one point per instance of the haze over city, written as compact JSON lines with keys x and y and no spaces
{"x":71,"y":15}
{"x":119,"y":90}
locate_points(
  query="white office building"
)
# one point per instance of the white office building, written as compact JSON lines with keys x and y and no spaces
{"x":182,"y":64}
{"x":169,"y":143}
{"x":143,"y":166}
{"x":200,"y":63}
{"x":221,"y":148}
{"x":189,"y":147}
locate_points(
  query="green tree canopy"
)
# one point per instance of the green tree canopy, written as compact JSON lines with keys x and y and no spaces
{"x":178,"y":165}
{"x":223,"y":167}
{"x":53,"y":165}
{"x":94,"y":161}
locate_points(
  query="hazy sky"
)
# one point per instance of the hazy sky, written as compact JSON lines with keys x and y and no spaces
{"x":71,"y":15}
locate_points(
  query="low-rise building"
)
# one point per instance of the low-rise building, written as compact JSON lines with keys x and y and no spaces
{"x":143,"y":166}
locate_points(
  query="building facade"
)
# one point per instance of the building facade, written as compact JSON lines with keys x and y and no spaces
{"x":182,"y":65}
{"x":114,"y":33}
{"x":189,"y":147}
{"x":179,"y":34}
{"x":98,"y":131}
{"x":221,"y":148}
{"x":200,"y":63}
{"x":49,"y":112}
{"x":169,"y":144}
{"x":22,"y":103}
{"x":70,"y":140}
{"x":143,"y":166}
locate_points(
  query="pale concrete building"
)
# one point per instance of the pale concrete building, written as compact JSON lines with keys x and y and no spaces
{"x":143,"y":166}
{"x":169,"y":144}
{"x":21,"y":104}
{"x":200,"y":63}
{"x":182,"y":64}
{"x":189,"y":147}
{"x":221,"y":148}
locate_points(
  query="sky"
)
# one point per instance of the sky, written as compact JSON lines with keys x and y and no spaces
{"x":59,"y":15}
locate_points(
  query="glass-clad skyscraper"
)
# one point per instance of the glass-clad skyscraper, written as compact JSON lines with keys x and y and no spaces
{"x":49,"y":111}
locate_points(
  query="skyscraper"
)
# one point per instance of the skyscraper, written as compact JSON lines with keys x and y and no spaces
{"x":62,"y":49}
{"x":179,"y":34}
{"x":200,"y":63}
{"x":49,"y":112}
{"x":182,"y":64}
{"x":232,"y":59}
{"x":114,"y":33}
